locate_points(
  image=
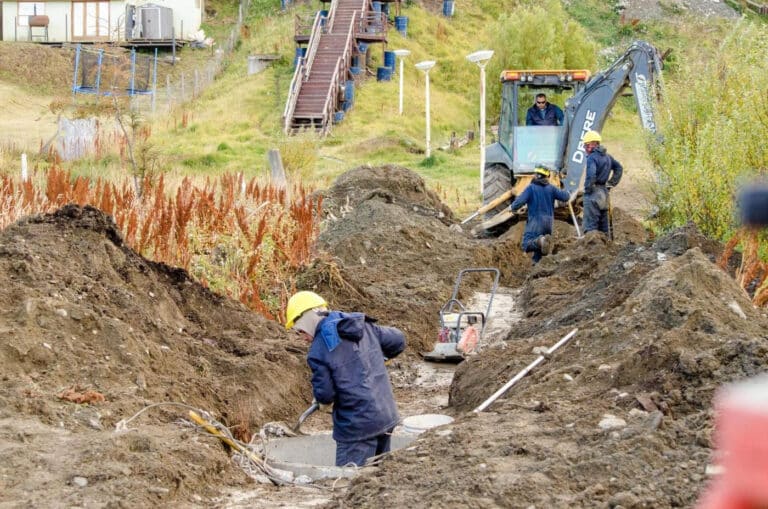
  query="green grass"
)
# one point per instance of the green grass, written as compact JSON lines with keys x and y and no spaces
{"x":234,"y":122}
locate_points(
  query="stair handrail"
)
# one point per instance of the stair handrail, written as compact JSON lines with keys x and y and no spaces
{"x":341,"y":67}
{"x":331,"y":15}
{"x":373,"y":20}
{"x":293,"y":94}
{"x":314,"y":42}
{"x":330,"y":104}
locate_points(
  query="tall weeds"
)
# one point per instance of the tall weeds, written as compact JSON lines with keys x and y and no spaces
{"x":235,"y":236}
{"x":714,"y":140}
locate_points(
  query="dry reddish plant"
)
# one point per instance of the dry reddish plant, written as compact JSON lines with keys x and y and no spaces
{"x":752,"y":272}
{"x":266,"y":236}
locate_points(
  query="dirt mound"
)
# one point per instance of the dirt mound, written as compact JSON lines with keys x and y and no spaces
{"x":629,"y":398}
{"x":391,"y":252}
{"x":389,"y":183}
{"x":81,"y":312}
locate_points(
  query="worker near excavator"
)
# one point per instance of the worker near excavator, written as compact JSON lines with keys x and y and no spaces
{"x":346,"y":355}
{"x":603,"y":173}
{"x":540,"y":197}
{"x":544,"y":112}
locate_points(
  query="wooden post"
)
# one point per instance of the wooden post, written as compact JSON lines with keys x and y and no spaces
{"x":24,"y":174}
{"x":278,"y":176}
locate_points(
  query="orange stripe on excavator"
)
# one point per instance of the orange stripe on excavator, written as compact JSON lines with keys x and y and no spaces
{"x":576,"y":74}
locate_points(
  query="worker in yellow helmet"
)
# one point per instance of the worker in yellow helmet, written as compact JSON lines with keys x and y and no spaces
{"x":540,"y":197}
{"x":603,"y":172}
{"x":346,"y":355}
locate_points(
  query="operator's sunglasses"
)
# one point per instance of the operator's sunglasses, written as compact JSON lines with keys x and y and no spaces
{"x":541,"y":102}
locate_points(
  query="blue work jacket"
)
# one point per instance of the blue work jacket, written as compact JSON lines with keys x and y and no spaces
{"x":602,"y":169}
{"x":540,"y":197}
{"x":347,"y":361}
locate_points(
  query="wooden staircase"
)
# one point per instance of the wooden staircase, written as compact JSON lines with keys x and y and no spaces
{"x":316,"y":90}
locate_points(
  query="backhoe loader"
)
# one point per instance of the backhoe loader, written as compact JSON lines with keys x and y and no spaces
{"x":520,"y":149}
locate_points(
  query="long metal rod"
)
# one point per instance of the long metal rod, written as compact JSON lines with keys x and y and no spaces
{"x":575,"y":221}
{"x":485,"y":404}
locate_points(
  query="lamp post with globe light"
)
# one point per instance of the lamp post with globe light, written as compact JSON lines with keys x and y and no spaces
{"x":481,"y":58}
{"x":401,"y":54}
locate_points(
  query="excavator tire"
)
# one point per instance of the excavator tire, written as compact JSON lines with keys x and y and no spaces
{"x":496,"y":181}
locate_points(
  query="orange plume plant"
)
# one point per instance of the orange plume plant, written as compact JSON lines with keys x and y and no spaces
{"x":752,"y":274}
{"x":240,"y":238}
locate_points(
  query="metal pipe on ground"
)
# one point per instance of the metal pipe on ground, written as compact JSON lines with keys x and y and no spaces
{"x":485,"y":404}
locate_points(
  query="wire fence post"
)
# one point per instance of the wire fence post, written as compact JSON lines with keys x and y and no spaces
{"x":154,"y":82}
{"x":168,"y":91}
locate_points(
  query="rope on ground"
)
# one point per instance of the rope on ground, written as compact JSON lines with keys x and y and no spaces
{"x":254,"y":465}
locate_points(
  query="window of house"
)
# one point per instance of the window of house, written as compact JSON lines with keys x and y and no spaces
{"x":27,"y":9}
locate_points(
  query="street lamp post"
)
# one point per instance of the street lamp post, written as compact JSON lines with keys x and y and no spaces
{"x":481,"y":58}
{"x":425,"y":66}
{"x":401,"y":54}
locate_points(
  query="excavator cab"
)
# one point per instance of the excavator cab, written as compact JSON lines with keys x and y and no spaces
{"x":586,"y":101}
{"x":522,"y":148}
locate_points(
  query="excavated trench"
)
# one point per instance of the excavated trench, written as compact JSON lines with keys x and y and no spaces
{"x":421,"y":390}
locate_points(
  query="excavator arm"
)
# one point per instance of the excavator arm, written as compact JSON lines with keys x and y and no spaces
{"x":639,"y":68}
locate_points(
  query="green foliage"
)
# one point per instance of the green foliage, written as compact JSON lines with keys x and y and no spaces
{"x":204,"y":161}
{"x":598,"y":17}
{"x":431,"y":161}
{"x":299,"y":154}
{"x":715,"y":136}
{"x":538,"y":36}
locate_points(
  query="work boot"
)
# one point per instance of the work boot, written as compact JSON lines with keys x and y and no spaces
{"x":545,"y":244}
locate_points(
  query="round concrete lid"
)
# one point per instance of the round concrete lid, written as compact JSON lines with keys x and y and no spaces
{"x":421,"y":423}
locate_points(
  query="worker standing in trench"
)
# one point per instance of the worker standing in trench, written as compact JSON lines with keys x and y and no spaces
{"x":346,"y":355}
{"x":540,"y":197}
{"x":603,"y":173}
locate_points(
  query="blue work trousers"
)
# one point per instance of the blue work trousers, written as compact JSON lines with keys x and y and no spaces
{"x":531,"y":246}
{"x":596,"y":210}
{"x":358,"y":452}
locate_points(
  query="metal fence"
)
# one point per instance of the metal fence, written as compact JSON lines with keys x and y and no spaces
{"x":189,"y":85}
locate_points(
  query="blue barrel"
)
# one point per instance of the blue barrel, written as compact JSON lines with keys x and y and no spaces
{"x":349,"y":92}
{"x":300,"y":53}
{"x":362,"y":47}
{"x":448,"y":8}
{"x":376,"y":6}
{"x":383,"y":74}
{"x":401,"y":25}
{"x":389,"y":60}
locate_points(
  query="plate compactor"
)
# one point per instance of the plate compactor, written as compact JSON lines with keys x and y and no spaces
{"x":461,"y":328}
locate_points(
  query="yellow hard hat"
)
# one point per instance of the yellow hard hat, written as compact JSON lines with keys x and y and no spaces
{"x":592,"y":136}
{"x":542,"y":171}
{"x":300,"y":302}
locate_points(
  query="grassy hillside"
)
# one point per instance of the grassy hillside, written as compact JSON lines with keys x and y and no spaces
{"x":237,"y":120}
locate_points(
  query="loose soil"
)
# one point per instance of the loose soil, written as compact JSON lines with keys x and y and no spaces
{"x":80,"y":311}
{"x":91,"y":333}
{"x":660,"y":328}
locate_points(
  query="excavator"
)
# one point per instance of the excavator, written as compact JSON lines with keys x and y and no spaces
{"x":520,"y":149}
